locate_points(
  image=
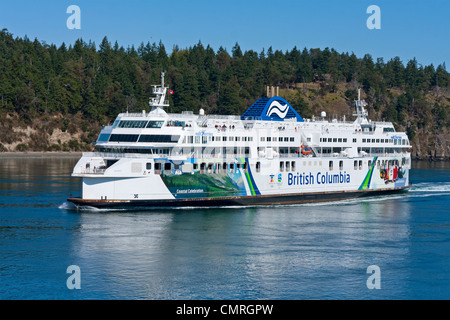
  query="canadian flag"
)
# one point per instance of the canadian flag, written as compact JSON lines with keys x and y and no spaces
{"x":170,"y":91}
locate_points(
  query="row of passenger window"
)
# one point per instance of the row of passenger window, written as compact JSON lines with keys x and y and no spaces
{"x":395,"y":141}
{"x":279,"y":139}
{"x":285,"y":166}
{"x":335,"y":140}
{"x":138,"y":124}
{"x":207,"y":139}
{"x":161,"y":151}
{"x":366,"y":140}
{"x":161,"y":138}
{"x":203,"y":167}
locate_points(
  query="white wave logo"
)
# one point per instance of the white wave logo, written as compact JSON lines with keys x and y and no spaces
{"x":278,"y":109}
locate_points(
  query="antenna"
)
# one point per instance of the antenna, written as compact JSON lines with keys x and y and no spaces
{"x":159,"y":102}
{"x":361,"y":113}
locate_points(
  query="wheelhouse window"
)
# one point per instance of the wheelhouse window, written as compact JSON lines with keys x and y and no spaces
{"x":175,"y":123}
{"x":132,"y":124}
{"x":155,"y":124}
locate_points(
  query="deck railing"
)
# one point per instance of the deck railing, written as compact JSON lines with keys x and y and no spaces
{"x":112,"y":155}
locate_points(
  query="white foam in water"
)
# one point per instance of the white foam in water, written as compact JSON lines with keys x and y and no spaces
{"x":373,"y":198}
{"x":431,"y":187}
{"x":94,"y":209}
{"x":420,"y":190}
{"x":70,"y":206}
{"x":67,"y":206}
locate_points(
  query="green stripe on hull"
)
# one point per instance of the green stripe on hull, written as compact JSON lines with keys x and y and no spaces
{"x":368,"y":178}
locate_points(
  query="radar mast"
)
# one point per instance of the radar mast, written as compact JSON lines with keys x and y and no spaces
{"x":159,"y":102}
{"x":361,"y":113}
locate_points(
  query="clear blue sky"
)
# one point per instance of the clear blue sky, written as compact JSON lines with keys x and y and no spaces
{"x":409,"y":29}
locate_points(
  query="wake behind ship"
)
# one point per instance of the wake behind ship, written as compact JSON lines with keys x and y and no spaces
{"x":269,"y":155}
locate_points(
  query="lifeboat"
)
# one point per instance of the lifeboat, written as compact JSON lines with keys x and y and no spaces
{"x":305,"y":150}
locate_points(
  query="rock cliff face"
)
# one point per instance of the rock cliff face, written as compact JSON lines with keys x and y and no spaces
{"x":428,"y":146}
{"x":47,"y":133}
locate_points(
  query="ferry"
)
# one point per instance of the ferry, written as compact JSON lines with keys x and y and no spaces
{"x":269,"y":155}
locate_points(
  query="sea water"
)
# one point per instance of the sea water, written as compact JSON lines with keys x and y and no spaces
{"x":383,"y":247}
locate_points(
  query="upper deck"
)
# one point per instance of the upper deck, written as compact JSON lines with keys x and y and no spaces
{"x":270,"y":127}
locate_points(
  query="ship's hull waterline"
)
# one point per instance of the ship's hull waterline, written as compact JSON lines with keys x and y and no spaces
{"x":258,"y":200}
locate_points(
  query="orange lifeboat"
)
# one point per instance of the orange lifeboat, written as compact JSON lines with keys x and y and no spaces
{"x":305,"y":150}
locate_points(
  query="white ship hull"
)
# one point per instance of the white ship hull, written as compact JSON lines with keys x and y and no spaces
{"x":311,"y":180}
{"x":269,"y":155}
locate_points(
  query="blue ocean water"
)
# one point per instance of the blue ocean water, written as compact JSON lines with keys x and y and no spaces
{"x":311,"y":251}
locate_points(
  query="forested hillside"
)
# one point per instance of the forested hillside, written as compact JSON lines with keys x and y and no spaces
{"x":57,"y":98}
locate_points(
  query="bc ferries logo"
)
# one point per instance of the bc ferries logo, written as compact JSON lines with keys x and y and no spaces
{"x":278,"y":109}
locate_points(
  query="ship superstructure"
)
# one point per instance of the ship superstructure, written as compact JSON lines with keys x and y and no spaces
{"x":268,"y":155}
